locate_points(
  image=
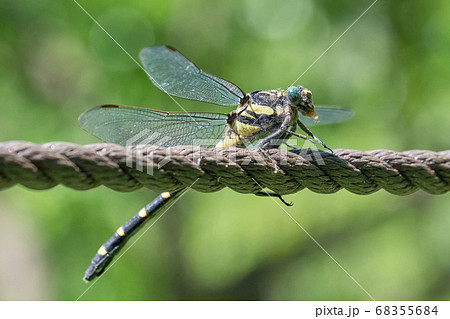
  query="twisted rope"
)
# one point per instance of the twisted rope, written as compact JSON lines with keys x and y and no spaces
{"x":245,"y":171}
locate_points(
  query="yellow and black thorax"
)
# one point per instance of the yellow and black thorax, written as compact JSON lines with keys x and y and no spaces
{"x":257,"y":117}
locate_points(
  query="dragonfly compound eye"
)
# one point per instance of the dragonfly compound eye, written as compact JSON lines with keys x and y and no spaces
{"x":293,"y":94}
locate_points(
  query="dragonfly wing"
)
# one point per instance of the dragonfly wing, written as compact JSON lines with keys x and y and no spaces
{"x":327,"y":115}
{"x":127,"y":125}
{"x":175,"y":75}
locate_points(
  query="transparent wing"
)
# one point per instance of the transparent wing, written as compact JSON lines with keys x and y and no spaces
{"x":175,"y":75}
{"x":127,"y":125}
{"x":327,"y":115}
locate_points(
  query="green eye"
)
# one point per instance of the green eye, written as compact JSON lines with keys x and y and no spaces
{"x":293,"y":94}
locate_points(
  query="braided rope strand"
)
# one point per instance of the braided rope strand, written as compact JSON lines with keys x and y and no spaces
{"x":168,"y":169}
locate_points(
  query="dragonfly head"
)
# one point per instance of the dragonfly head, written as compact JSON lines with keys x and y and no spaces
{"x":302,"y":98}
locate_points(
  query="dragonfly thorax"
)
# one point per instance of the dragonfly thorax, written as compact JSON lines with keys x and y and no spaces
{"x":261,"y":115}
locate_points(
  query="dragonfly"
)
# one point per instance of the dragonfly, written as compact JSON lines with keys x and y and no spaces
{"x":261,"y":119}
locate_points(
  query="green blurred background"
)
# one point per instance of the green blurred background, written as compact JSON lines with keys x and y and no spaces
{"x":392,"y":68}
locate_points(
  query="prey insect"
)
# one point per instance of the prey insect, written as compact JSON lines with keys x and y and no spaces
{"x":261,"y":119}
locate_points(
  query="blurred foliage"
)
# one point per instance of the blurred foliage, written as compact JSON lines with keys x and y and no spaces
{"x":391,"y":68}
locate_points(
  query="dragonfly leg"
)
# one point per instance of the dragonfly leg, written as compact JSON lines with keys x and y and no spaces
{"x":274,"y":162}
{"x":299,"y":136}
{"x":292,"y":146}
{"x":307,"y":131}
{"x":113,"y":245}
{"x":271,"y":141}
{"x":266,"y":194}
